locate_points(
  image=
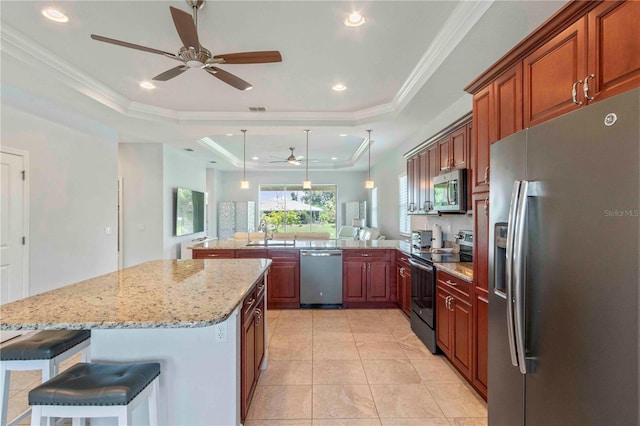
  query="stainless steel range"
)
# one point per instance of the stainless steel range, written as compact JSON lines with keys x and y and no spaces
{"x":423,"y":287}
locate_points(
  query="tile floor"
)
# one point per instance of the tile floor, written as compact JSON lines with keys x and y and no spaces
{"x":357,"y":367}
{"x":341,"y":367}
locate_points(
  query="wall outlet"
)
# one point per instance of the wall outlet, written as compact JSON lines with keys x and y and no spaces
{"x":221,"y":332}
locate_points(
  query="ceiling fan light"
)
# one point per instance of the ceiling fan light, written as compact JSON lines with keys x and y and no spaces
{"x":147,"y":85}
{"x":248,"y":88}
{"x":54,"y":15}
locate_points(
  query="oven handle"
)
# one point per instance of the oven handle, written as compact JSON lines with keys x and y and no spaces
{"x":421,"y":266}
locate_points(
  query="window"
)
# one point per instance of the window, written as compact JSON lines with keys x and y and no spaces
{"x":405,"y":220}
{"x":289,"y":208}
{"x":374,"y":208}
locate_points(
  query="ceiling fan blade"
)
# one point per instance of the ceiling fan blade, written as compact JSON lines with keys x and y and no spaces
{"x":169,"y":74}
{"x":228,"y":78}
{"x":250,"y":57}
{"x":279,"y":161}
{"x":186,"y":28}
{"x":131,"y":45}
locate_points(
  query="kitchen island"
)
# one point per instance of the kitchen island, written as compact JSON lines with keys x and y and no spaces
{"x":184,"y":314}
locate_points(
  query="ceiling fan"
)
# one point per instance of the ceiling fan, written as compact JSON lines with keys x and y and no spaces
{"x":291,"y":159}
{"x":193,"y":55}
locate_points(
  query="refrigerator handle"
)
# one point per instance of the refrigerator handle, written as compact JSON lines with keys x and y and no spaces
{"x":519,"y":254}
{"x":513,"y":206}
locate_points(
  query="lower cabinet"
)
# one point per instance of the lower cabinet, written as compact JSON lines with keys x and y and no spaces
{"x":454,"y":321}
{"x":213,"y":254}
{"x":367,"y":279}
{"x":252,"y":345}
{"x":284,"y":279}
{"x":403,"y":280}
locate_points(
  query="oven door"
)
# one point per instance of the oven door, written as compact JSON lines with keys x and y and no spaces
{"x":423,"y":285}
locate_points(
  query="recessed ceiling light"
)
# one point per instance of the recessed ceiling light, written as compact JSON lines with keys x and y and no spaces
{"x":355,"y":19}
{"x":147,"y":85}
{"x":343,"y":134}
{"x":334,"y":158}
{"x":339,"y":87}
{"x":255,"y":158}
{"x":54,"y":15}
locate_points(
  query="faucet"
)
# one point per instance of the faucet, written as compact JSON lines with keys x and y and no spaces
{"x":263,"y":228}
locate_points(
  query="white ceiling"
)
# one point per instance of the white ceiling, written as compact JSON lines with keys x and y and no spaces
{"x":394,"y":67}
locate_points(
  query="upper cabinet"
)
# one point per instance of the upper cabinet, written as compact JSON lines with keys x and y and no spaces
{"x":448,"y":150}
{"x":586,"y":52}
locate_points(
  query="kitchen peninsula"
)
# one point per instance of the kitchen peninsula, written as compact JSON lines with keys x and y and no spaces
{"x":186,"y":314}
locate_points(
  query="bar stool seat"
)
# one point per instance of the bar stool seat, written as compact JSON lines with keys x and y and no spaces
{"x":43,"y":351}
{"x":89,"y":390}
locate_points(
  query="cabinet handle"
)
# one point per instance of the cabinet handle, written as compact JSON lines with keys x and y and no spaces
{"x":448,"y":302}
{"x":486,"y":206}
{"x":365,"y":255}
{"x":451,"y":307}
{"x":486,"y":175}
{"x":402,"y":272}
{"x":451,"y":283}
{"x":574,"y":93}
{"x":258,"y":315}
{"x":251,"y":302}
{"x":369,"y":266}
{"x":213,"y":255}
{"x":585,"y":89}
{"x":260,"y":288}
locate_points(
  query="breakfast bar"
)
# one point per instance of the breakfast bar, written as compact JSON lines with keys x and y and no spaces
{"x":185,"y":314}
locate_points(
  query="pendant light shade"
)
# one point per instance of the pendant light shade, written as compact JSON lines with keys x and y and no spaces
{"x":306,"y":183}
{"x":244,"y":183}
{"x":369,"y":184}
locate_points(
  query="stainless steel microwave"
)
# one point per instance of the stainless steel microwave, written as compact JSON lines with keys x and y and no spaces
{"x":450,"y":192}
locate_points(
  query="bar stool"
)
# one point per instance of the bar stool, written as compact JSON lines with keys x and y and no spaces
{"x":89,"y":390}
{"x":43,"y":351}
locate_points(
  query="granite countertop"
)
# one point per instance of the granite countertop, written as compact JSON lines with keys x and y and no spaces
{"x":156,"y":294}
{"x":462,"y":270}
{"x":299,"y":244}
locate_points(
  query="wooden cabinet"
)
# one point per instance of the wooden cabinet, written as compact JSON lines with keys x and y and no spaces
{"x":252,"y":344}
{"x":283,"y":291}
{"x":507,"y":90}
{"x":367,"y":278}
{"x":550,"y":73}
{"x":614,"y":48}
{"x":454,"y":150}
{"x":480,"y":292}
{"x":403,"y":280}
{"x":252,"y":253}
{"x":213,"y":254}
{"x":483,"y":136}
{"x":454,"y":316}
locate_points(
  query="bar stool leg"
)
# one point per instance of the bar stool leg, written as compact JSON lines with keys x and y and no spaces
{"x":5,"y":375}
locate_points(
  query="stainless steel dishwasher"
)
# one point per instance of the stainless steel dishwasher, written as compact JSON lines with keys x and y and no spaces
{"x":320,"y":278}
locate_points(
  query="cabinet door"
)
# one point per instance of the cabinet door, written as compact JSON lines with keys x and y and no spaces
{"x":411,"y":202}
{"x":458,"y":148}
{"x":283,"y":289}
{"x":378,"y":281}
{"x":354,"y":276}
{"x":400,"y":280}
{"x":248,"y":356}
{"x":508,"y":102}
{"x":481,"y":344}
{"x":212,"y":254}
{"x":407,"y":291}
{"x":461,"y":340}
{"x":551,"y":71}
{"x":434,"y":169}
{"x":443,"y":322}
{"x":423,"y":194}
{"x":614,"y":48}
{"x":444,"y":157}
{"x":259,"y":332}
{"x":252,"y":254}
{"x":481,"y":242}
{"x":483,"y":136}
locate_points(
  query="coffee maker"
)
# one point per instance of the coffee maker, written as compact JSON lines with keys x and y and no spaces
{"x":421,"y":240}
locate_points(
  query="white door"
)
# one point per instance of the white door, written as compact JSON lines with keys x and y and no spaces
{"x":13,"y":230}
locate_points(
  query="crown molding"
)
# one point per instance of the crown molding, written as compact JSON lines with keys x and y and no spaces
{"x":464,"y":17}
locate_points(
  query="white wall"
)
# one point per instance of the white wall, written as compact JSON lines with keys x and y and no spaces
{"x":140,"y":166}
{"x":179,"y":170}
{"x":72,"y":193}
{"x":350,"y":185}
{"x":213,"y":189}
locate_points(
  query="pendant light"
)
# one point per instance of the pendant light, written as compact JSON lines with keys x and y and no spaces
{"x":306,"y":183}
{"x":244,"y":183}
{"x":369,"y":184}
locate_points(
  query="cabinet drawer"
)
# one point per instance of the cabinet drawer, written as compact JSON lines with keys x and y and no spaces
{"x":212,"y":254}
{"x":284,"y":254}
{"x":252,"y":253}
{"x":402,"y":258}
{"x":249,"y":304}
{"x":456,"y":286}
{"x":367,"y":254}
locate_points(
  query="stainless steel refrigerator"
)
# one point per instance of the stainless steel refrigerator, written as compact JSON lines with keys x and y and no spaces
{"x":564,"y":270}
